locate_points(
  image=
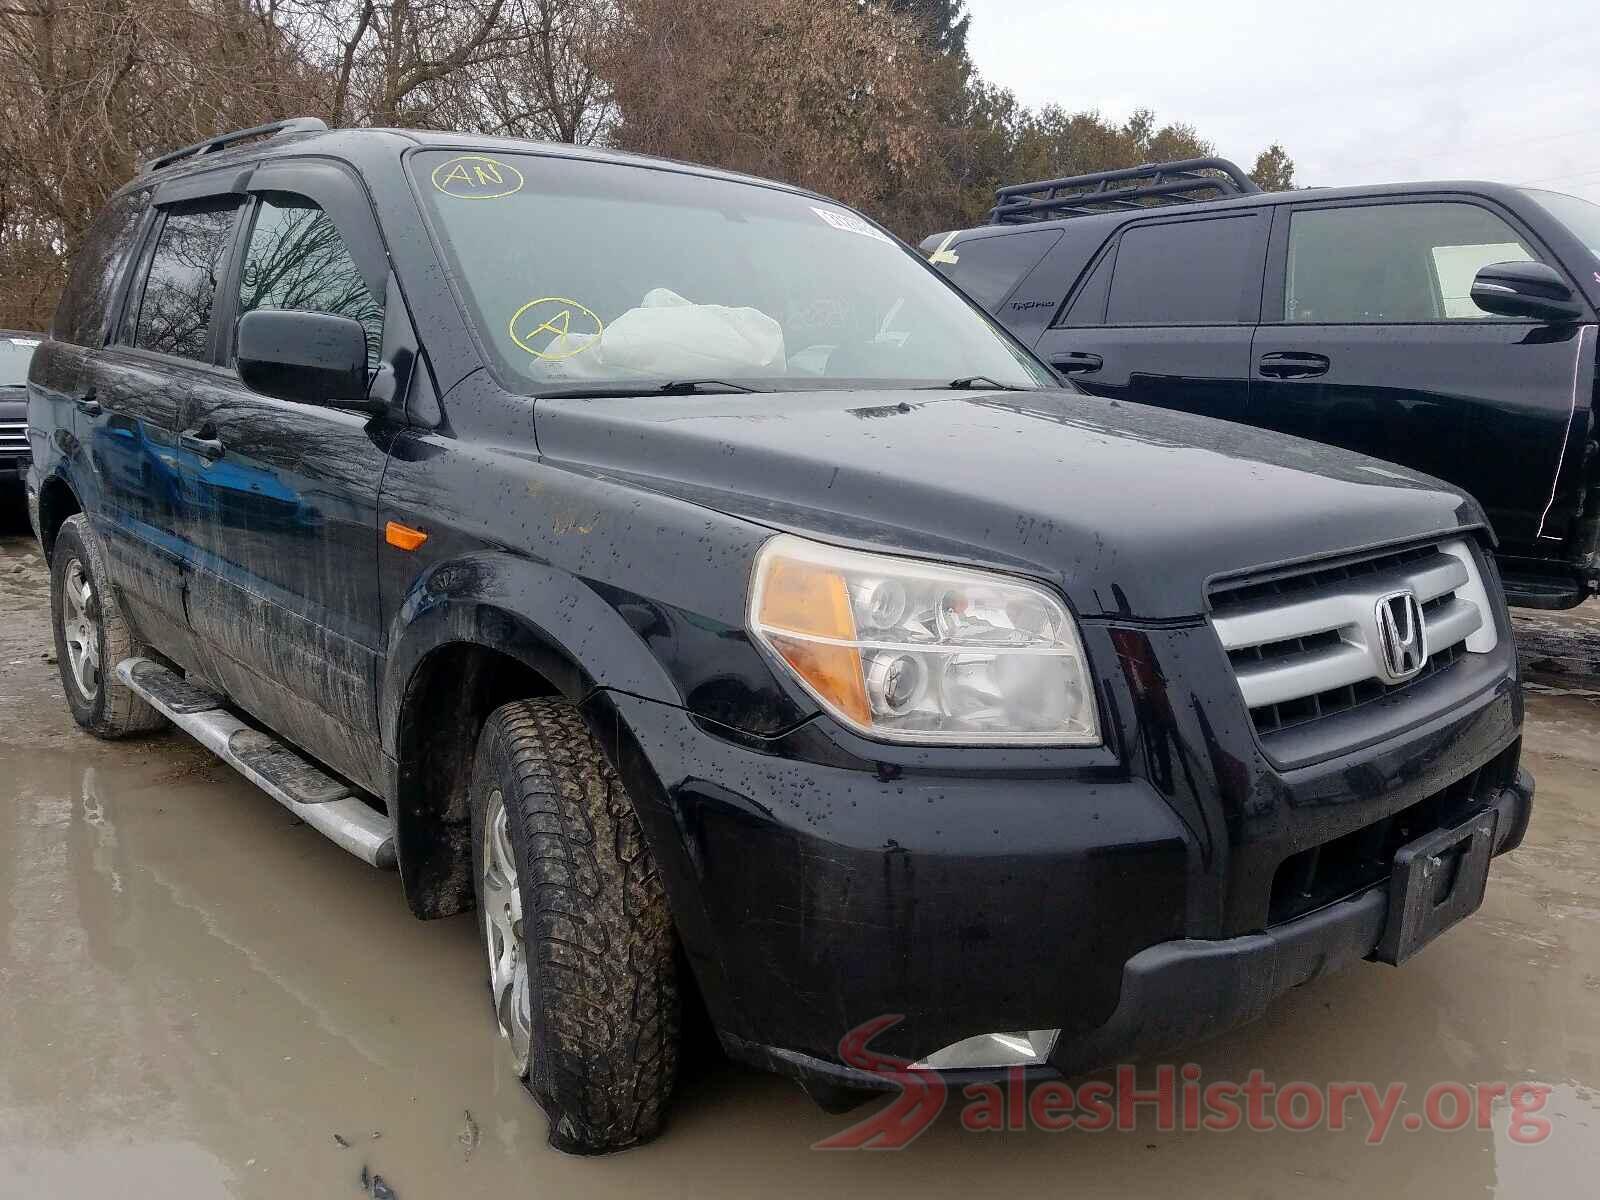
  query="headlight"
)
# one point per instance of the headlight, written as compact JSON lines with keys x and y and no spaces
{"x":916,"y":652}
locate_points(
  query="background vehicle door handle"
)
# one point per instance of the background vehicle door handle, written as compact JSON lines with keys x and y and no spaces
{"x":87,"y":404}
{"x":1077,"y":364}
{"x":1291,"y":365}
{"x":206,"y":447}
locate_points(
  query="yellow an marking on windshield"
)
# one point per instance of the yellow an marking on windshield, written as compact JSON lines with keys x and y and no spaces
{"x":477,"y":177}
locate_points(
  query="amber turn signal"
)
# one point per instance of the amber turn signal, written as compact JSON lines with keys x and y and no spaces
{"x":403,"y":536}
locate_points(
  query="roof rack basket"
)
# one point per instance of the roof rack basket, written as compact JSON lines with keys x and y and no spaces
{"x":1081,"y":195}
{"x":213,"y":145}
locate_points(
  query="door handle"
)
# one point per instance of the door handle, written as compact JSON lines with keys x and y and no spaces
{"x":206,"y":447}
{"x":87,"y":404}
{"x":1293,"y":365}
{"x":1077,"y":364}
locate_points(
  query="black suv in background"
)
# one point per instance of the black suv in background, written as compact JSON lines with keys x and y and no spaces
{"x":671,"y":567}
{"x":16,"y":352}
{"x":1449,"y":327}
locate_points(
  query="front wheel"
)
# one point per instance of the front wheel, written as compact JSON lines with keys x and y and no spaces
{"x":575,"y":924}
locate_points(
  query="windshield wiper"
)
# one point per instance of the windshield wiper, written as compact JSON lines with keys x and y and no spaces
{"x":674,"y":387}
{"x":974,"y":383}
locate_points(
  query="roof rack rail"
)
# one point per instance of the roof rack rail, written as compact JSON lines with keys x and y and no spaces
{"x":212,"y":145}
{"x":1178,"y":182}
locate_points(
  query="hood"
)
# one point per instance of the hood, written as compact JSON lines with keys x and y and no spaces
{"x":1129,"y":509}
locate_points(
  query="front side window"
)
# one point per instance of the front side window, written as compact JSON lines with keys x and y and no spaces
{"x":174,"y":311}
{"x":584,"y":274}
{"x":1393,"y":263}
{"x":297,"y":260}
{"x":1185,"y":273}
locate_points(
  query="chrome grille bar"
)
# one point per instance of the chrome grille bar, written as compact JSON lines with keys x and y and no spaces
{"x":1314,"y":641}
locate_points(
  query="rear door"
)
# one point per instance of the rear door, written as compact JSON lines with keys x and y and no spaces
{"x":131,"y":395}
{"x":1165,"y":314}
{"x":1370,"y":340}
{"x":282,"y":496}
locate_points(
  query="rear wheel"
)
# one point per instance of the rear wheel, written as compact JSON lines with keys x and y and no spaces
{"x":92,"y":637}
{"x":582,"y":972}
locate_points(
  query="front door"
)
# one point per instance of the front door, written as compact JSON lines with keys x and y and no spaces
{"x":283,"y":498}
{"x":1166,"y":314}
{"x":1370,"y":340}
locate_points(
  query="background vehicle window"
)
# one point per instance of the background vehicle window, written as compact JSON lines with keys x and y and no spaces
{"x":297,"y":260}
{"x":175,"y":308}
{"x":988,"y":268}
{"x":1089,"y":305}
{"x":81,"y":317}
{"x":16,"y":353}
{"x":1183,"y":273}
{"x":1393,"y":263}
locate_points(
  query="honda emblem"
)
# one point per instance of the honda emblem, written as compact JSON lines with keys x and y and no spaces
{"x":1402,"y":637}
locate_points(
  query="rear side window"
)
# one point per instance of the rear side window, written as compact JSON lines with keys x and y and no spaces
{"x":174,"y":313}
{"x":1186,"y":273}
{"x":989,"y":268}
{"x":82,"y":316}
{"x":298,"y":260}
{"x":1393,"y":263}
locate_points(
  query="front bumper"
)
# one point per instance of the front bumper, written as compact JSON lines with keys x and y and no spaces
{"x":1122,"y":894}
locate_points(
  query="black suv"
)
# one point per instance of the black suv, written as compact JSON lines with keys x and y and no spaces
{"x":16,"y":352}
{"x":1445,"y":326}
{"x":670,"y":566}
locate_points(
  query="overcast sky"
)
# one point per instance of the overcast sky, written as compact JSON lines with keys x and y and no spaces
{"x":1357,"y":91}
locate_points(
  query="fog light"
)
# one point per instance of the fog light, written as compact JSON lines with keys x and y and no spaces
{"x":1025,"y":1049}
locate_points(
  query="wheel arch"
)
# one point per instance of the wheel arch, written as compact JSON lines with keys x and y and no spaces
{"x":462,"y":644}
{"x":57,"y":501}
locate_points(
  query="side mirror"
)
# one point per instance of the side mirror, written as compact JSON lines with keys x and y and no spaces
{"x":307,"y":357}
{"x":1525,"y":289}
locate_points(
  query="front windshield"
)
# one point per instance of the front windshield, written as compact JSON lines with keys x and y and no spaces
{"x":588,"y":274}
{"x":15,"y":355}
{"x":1580,"y":216}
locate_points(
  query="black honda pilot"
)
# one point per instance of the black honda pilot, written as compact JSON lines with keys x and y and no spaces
{"x":673,"y":568}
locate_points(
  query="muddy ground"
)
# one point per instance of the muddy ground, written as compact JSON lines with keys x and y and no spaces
{"x":200,"y":998}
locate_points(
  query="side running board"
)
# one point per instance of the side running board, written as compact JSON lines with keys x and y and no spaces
{"x":318,"y":799}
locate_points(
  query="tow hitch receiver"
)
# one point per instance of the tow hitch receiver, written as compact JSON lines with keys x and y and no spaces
{"x":1437,"y":881}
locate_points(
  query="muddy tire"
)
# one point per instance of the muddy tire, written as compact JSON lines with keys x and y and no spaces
{"x":92,"y":637}
{"x":583,"y":974}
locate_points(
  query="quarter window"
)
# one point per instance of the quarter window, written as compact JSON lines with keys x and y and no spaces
{"x":1393,"y":263}
{"x":988,"y":269}
{"x":298,"y":260}
{"x":175,"y":307}
{"x":1186,"y":273}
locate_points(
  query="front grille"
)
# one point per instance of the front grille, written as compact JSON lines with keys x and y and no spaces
{"x":1306,"y":644}
{"x":13,"y":437}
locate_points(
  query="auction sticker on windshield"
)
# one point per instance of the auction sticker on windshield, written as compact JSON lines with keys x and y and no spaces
{"x":850,"y":223}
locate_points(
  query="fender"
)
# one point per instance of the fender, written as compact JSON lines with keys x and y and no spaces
{"x":577,"y":641}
